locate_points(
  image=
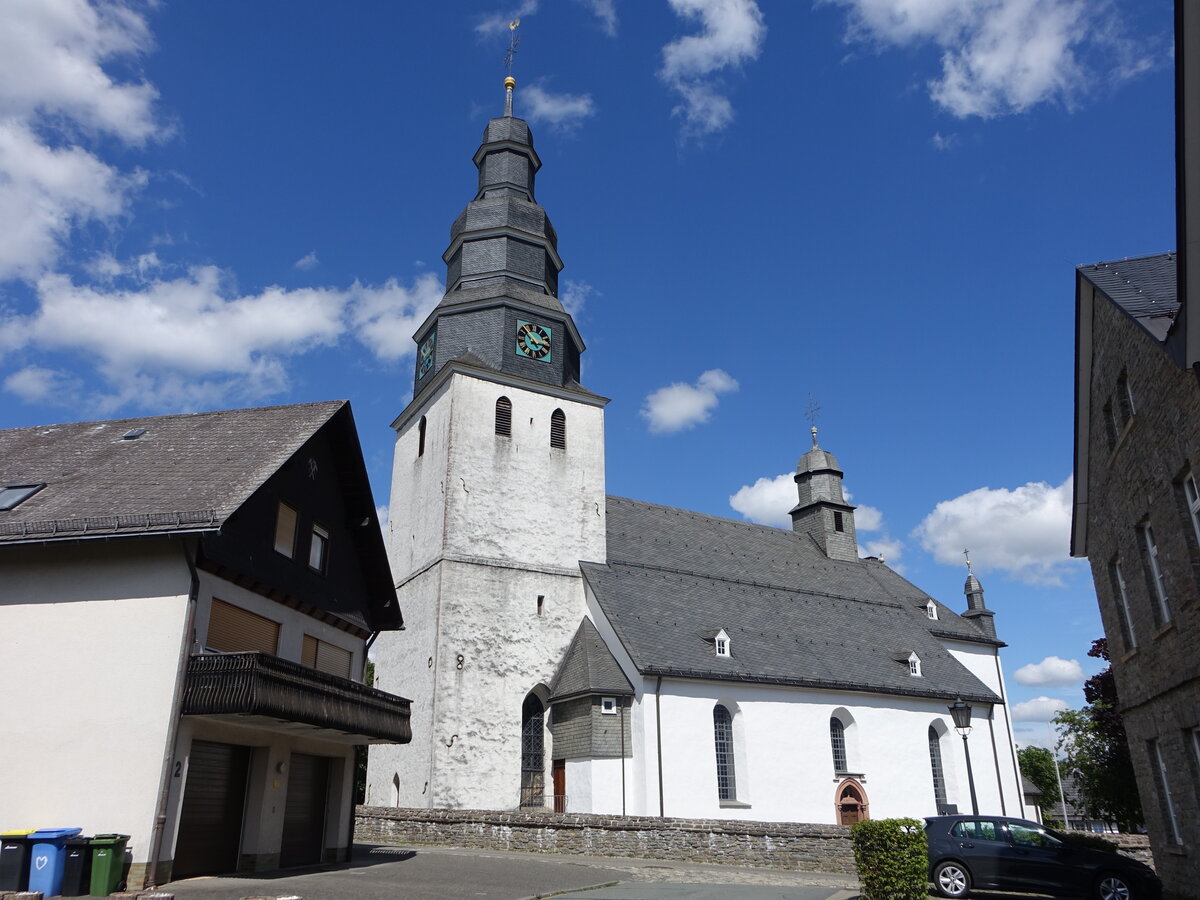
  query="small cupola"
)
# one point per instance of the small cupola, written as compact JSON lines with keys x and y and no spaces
{"x":977,"y":611}
{"x":822,"y":510}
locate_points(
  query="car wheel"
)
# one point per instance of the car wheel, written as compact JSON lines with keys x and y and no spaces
{"x":951,"y":879}
{"x":1112,"y":887}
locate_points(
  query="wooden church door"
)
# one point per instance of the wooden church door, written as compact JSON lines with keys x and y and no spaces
{"x":851,"y":803}
{"x":559,"y":771}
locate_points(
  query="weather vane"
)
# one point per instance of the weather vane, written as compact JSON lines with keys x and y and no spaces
{"x":811,"y":414}
{"x":967,"y":554}
{"x":514,"y":41}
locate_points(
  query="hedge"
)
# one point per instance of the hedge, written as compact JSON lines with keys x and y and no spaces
{"x":892,"y":858}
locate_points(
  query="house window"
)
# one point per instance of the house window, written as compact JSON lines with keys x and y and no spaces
{"x":285,"y":531}
{"x":318,"y":550}
{"x":317,"y":654}
{"x":421,"y":437}
{"x":12,"y":495}
{"x":935,"y":764}
{"x":721,"y":643}
{"x":837,"y":740}
{"x":1122,"y":595}
{"x":914,"y":666}
{"x":232,"y":629}
{"x":608,"y":706}
{"x":504,"y":417}
{"x":931,"y":609}
{"x":1166,"y":802}
{"x":558,"y":430}
{"x":723,"y":745}
{"x":1162,"y":610}
{"x":838,"y":524}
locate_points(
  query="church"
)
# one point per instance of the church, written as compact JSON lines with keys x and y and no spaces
{"x":578,"y":652}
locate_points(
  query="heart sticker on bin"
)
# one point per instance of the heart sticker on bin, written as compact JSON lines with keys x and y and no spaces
{"x":40,"y":862}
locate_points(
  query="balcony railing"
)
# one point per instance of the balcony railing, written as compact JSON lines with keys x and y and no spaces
{"x":258,"y":684}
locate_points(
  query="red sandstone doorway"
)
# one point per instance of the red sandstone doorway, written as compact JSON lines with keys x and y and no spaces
{"x":851,"y":802}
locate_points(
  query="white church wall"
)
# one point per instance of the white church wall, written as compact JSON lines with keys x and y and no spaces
{"x":783,"y":763}
{"x":594,"y":786}
{"x":90,"y":637}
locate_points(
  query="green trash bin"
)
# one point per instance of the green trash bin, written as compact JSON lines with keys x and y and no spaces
{"x":108,"y":862}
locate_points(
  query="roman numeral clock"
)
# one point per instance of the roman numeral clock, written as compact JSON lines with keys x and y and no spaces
{"x":534,"y":340}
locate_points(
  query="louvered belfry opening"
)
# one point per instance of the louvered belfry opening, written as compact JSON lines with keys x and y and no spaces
{"x":504,"y":417}
{"x":558,"y":430}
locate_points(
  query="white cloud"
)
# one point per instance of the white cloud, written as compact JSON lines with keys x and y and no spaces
{"x":887,"y":548}
{"x":732,"y":34}
{"x":575,"y":295}
{"x":384,"y":318}
{"x":54,"y":94}
{"x":1050,"y":672}
{"x":1039,"y":709}
{"x":1004,"y":56}
{"x":307,"y":261}
{"x":606,"y":12}
{"x":562,"y":112}
{"x":35,"y":384}
{"x":381,"y":513}
{"x":944,"y":141}
{"x":679,"y":406}
{"x":497,"y":23}
{"x":1023,"y":532}
{"x":867,"y":518}
{"x":767,"y":501}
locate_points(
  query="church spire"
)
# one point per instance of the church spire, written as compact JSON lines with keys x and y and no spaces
{"x":822,"y":510}
{"x":977,"y":610}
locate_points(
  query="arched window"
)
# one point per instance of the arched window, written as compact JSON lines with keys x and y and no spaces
{"x":533,"y":761}
{"x":504,"y":417}
{"x":935,"y":763}
{"x":723,"y":743}
{"x":421,"y":437}
{"x":558,"y":430}
{"x":837,"y":741}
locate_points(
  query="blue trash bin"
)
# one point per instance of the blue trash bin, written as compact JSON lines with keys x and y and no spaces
{"x":48,"y":859}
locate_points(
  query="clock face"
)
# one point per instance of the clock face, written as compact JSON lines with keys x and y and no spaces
{"x":533,"y":340}
{"x":425,"y":355}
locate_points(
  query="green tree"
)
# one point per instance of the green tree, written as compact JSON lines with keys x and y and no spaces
{"x":1037,"y":764}
{"x":360,"y":751}
{"x":1095,"y":748}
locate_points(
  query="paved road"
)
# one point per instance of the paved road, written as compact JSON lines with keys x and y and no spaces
{"x":424,"y":873}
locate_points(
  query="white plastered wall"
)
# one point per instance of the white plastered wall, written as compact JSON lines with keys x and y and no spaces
{"x":480,"y":527}
{"x":90,"y":635}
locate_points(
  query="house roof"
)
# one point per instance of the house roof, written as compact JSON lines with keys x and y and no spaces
{"x":184,"y":473}
{"x":1143,"y":286}
{"x":793,"y":615}
{"x":588,"y":668}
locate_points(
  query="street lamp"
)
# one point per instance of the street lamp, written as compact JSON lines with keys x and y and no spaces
{"x":961,"y":713}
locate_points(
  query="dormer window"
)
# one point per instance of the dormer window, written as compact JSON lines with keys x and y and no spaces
{"x":721,"y":643}
{"x":914,"y":665}
{"x":931,"y":609}
{"x":12,"y":495}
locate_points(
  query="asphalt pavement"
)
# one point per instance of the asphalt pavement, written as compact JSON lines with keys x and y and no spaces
{"x":435,"y":873}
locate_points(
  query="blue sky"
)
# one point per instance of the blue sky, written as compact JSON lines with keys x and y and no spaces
{"x":877,"y":204}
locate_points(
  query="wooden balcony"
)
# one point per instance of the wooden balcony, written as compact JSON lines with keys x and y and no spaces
{"x":265,"y":691}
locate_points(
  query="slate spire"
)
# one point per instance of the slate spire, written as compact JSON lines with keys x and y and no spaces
{"x":502,"y":269}
{"x":977,"y":611}
{"x":822,"y":510}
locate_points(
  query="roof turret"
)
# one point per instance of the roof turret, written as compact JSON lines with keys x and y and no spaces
{"x":977,"y":611}
{"x":822,"y":510}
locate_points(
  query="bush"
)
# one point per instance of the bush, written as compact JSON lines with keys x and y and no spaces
{"x":892,"y":858}
{"x":1090,"y":841}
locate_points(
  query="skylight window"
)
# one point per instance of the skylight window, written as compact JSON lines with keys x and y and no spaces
{"x":12,"y":495}
{"x":133,"y":434}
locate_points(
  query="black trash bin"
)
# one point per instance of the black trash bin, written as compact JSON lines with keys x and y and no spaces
{"x":14,"y":860}
{"x":77,"y":873}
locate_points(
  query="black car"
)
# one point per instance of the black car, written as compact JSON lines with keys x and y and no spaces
{"x":998,"y":853}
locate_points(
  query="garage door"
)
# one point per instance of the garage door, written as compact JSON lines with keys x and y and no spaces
{"x":304,"y":810}
{"x":210,"y":823}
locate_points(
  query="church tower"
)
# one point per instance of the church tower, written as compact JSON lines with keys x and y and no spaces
{"x":497,"y":495}
{"x":822,"y":510}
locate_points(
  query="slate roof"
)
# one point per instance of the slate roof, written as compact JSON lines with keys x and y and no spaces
{"x":1144,"y":286}
{"x":588,"y":667}
{"x":793,"y":615}
{"x":185,"y":473}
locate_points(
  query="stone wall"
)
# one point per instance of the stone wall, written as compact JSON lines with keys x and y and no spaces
{"x":785,"y":845}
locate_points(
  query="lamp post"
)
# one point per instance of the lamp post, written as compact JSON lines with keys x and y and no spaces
{"x":961,"y":713}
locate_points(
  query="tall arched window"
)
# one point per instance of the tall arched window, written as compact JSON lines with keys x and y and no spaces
{"x":558,"y":430}
{"x":504,"y":417}
{"x":533,"y":763}
{"x":837,"y":741}
{"x":723,"y":743}
{"x":935,"y":763}
{"x":421,"y":437}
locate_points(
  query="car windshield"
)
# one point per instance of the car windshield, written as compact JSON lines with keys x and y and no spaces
{"x":1026,"y":836}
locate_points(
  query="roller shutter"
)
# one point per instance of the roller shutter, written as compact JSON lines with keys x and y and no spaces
{"x":304,"y":810}
{"x":210,"y":822}
{"x":232,"y":629}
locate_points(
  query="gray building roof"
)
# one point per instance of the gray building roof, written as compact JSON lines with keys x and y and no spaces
{"x":793,"y":615}
{"x":588,"y":668}
{"x":183,"y":473}
{"x":1144,"y":286}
